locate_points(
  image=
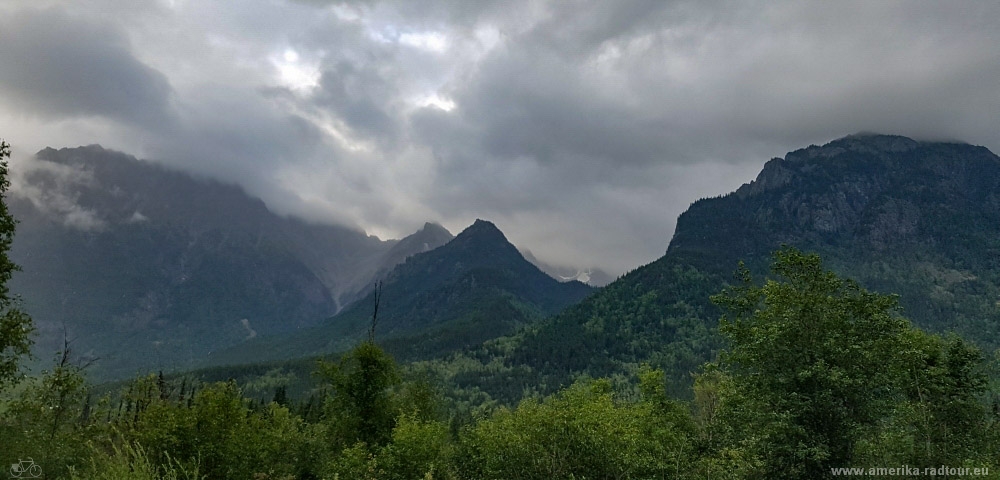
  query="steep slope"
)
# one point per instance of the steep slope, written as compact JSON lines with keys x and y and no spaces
{"x":475,"y":287}
{"x":900,"y":216}
{"x":146,"y":267}
{"x":915,"y":218}
{"x":426,"y":239}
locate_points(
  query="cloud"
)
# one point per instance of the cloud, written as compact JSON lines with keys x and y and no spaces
{"x":581,"y":128}
{"x":58,"y":66}
{"x":53,"y":189}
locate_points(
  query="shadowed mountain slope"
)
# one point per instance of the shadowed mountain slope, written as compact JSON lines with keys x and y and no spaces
{"x":900,"y":216}
{"x":475,"y":287}
{"x":149,"y":268}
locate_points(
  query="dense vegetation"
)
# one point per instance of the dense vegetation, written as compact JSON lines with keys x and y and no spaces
{"x":817,"y":373}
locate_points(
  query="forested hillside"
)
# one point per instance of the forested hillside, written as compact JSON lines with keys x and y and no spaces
{"x":474,"y":288}
{"x":913,"y":218}
{"x":818,"y":375}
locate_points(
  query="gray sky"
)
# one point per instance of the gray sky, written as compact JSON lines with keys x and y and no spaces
{"x":582,"y":129}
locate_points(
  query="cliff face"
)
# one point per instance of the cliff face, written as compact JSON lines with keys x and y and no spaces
{"x":863,"y":192}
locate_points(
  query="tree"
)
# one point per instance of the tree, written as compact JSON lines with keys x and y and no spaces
{"x":814,"y":362}
{"x":15,"y":325}
{"x":360,"y":406}
{"x":582,"y":431}
{"x":44,"y":421}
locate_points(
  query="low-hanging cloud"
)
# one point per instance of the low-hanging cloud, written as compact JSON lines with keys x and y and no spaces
{"x":581,"y":128}
{"x":53,"y":190}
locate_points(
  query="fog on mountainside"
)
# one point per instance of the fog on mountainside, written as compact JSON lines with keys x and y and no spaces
{"x":150,"y":268}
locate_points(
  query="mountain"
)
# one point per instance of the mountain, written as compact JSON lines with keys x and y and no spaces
{"x":426,"y":239}
{"x":475,"y":287}
{"x":898,"y":215}
{"x":147,"y":267}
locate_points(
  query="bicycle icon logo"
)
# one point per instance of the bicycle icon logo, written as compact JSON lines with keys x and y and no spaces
{"x":25,"y":469}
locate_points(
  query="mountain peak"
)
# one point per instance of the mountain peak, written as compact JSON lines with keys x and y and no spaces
{"x":482,"y":228}
{"x":866,"y":155}
{"x":864,"y":142}
{"x":876,"y":192}
{"x":427,"y":238}
{"x":483,"y":240}
{"x":435,"y":229}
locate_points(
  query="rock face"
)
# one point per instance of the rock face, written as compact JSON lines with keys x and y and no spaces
{"x":863,"y":192}
{"x":147,"y":267}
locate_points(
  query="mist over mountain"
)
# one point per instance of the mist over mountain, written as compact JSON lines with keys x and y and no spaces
{"x":147,"y":267}
{"x":594,"y":277}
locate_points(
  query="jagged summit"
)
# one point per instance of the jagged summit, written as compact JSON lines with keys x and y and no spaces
{"x":865,"y":143}
{"x":432,"y":234}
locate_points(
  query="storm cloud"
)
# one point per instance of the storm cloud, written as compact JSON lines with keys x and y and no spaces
{"x":581,"y":128}
{"x":56,"y":66}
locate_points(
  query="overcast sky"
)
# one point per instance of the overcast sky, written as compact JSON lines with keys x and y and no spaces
{"x":582,"y":129}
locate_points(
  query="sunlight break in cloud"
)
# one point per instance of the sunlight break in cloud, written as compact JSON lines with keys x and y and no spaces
{"x":610,"y":117}
{"x":437,"y":101}
{"x":294,"y":73}
{"x":431,"y":41}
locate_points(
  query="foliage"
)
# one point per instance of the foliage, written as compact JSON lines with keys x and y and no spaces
{"x":582,"y":432}
{"x":219,"y":433}
{"x":15,"y":325}
{"x":819,"y":371}
{"x":360,"y":408}
{"x":130,"y":462}
{"x":45,"y":420}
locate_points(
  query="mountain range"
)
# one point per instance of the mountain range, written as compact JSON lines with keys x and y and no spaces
{"x":476,"y":287}
{"x":919,"y":219}
{"x":143,"y":267}
{"x":147,"y":267}
{"x":201,"y":270}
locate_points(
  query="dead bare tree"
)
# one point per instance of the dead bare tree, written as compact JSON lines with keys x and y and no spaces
{"x":378,"y":299}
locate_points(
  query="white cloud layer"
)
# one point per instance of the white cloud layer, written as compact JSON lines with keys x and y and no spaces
{"x":581,"y":128}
